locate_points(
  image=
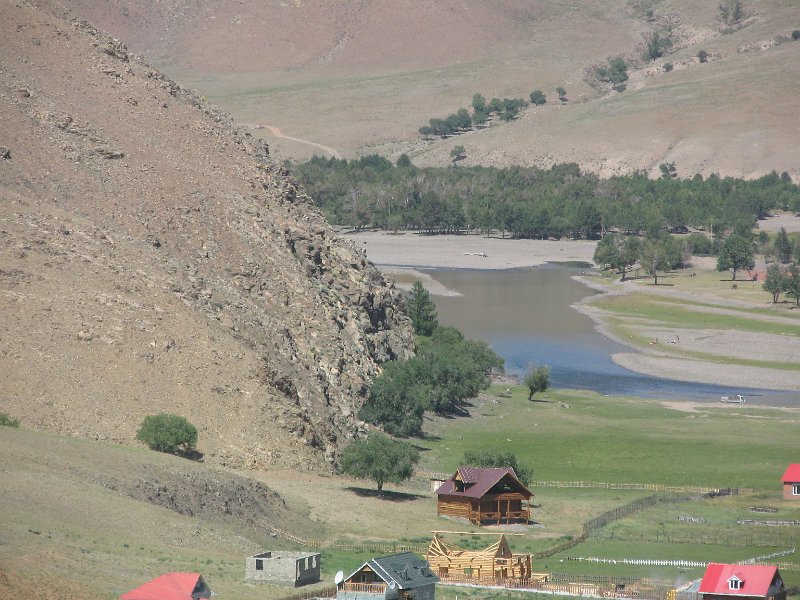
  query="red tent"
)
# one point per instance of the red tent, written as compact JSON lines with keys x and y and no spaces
{"x":172,"y":586}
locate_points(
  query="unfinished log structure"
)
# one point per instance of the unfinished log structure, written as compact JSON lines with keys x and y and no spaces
{"x":484,"y":495}
{"x":495,"y":563}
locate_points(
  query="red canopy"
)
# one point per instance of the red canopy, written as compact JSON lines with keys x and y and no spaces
{"x":172,"y":586}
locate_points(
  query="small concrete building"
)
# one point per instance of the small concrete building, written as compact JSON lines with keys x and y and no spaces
{"x":401,"y":576}
{"x":290,"y":568}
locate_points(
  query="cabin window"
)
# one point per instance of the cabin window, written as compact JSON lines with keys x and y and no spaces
{"x":796,"y":489}
{"x":468,"y":571}
{"x":459,"y":486}
{"x":735,"y":583}
{"x":259,"y":564}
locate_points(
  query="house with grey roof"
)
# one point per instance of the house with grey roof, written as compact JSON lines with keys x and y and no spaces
{"x":484,"y":495}
{"x":402,"y":576}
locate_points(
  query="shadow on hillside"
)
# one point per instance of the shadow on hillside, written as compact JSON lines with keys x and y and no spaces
{"x":194,"y":455}
{"x":384,"y":494}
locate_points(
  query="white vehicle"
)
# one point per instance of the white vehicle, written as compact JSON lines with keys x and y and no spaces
{"x":737,"y":399}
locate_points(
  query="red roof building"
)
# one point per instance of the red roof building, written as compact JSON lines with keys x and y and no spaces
{"x":791,"y":483}
{"x":484,"y":495}
{"x":172,"y":586}
{"x":723,"y":582}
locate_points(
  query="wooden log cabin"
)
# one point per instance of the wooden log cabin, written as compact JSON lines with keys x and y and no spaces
{"x":484,"y":496}
{"x":493,"y":565}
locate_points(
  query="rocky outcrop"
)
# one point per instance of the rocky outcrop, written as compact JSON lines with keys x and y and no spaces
{"x":155,"y":259}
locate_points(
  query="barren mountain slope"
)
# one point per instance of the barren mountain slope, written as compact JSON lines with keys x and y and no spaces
{"x":83,"y":519}
{"x":153,"y":258}
{"x":364,"y":76}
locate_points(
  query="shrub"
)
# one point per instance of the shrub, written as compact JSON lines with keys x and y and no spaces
{"x":167,"y":433}
{"x":701,"y":244}
{"x":667,"y":67}
{"x":538,"y":98}
{"x":703,"y":56}
{"x":562,"y":93}
{"x":796,"y":34}
{"x":7,"y":421}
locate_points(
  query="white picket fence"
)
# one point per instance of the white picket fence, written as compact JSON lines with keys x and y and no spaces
{"x":676,"y":563}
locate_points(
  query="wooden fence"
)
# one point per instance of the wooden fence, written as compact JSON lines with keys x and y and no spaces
{"x":774,"y":538}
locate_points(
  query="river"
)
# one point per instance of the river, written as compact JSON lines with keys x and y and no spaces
{"x":526,"y":317}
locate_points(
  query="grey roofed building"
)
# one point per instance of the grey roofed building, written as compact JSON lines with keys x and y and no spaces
{"x":402,"y":576}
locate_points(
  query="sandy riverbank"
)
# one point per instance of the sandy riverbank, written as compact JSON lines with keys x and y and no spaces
{"x":399,"y":256}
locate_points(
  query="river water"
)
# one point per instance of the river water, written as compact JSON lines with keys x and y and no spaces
{"x":526,"y":317}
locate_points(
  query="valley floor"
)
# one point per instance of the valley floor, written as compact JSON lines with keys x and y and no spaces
{"x":696,"y":325}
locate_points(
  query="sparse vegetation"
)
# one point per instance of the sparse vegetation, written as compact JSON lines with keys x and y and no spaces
{"x":655,"y":45}
{"x":615,"y":73}
{"x":6,"y":421}
{"x":461,"y":120}
{"x":731,"y":12}
{"x":167,"y":433}
{"x":380,"y":459}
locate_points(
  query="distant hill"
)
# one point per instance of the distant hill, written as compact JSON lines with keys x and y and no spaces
{"x":154,"y":258}
{"x":363,"y":76}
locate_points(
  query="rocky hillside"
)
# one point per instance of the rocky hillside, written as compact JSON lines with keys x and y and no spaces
{"x":153,"y":258}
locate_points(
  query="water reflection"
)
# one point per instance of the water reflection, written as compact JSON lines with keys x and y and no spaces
{"x":526,"y":317}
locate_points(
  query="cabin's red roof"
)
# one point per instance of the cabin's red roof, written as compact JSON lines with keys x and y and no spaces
{"x":478,"y":481}
{"x":792,"y":474}
{"x":755,"y":579}
{"x":172,"y":586}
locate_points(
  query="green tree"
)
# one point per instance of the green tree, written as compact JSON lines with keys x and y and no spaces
{"x":775,"y":283}
{"x":458,"y":153}
{"x":618,"y":252}
{"x":702,"y":56}
{"x":496,"y":457}
{"x":167,"y":433}
{"x":403,"y":162}
{"x":422,"y":311}
{"x":454,"y":369}
{"x":397,"y":399}
{"x":562,"y":93}
{"x":792,"y":283}
{"x":796,"y":34}
{"x":658,"y":254}
{"x":478,"y":103}
{"x":735,"y":254}
{"x":379,"y":458}
{"x":783,"y":246}
{"x":537,"y":379}
{"x":538,"y":97}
